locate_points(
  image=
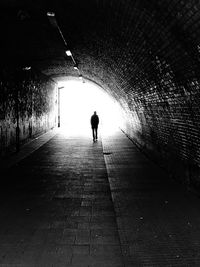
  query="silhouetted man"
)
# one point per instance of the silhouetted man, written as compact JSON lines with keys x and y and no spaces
{"x":94,"y":124}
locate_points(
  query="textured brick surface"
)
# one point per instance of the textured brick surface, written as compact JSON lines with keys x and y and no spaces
{"x":27,"y":104}
{"x":145,"y":53}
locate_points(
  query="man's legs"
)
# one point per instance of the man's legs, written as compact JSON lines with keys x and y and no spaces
{"x":96,"y":133}
{"x":93,"y":133}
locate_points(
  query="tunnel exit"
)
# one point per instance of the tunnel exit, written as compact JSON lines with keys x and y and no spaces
{"x":78,"y":101}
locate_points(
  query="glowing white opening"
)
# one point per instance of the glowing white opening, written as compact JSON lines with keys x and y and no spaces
{"x":78,"y":101}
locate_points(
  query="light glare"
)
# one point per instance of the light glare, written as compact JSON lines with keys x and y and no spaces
{"x":78,"y":102}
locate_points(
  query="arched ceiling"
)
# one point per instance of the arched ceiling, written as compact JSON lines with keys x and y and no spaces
{"x":120,"y":44}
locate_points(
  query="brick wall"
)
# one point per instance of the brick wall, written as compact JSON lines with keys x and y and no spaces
{"x":147,"y":57}
{"x":27,"y":107}
{"x":145,"y":53}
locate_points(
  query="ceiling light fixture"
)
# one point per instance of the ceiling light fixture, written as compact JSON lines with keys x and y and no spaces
{"x":68,"y":53}
{"x":53,"y":21}
{"x":27,"y":68}
{"x":50,"y":14}
{"x":76,"y":67}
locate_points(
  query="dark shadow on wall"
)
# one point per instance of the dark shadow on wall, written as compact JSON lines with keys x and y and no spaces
{"x":27,"y":107}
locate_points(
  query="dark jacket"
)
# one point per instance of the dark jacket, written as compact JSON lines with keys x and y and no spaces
{"x":94,"y":121}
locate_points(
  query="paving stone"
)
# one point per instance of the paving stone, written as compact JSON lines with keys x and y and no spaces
{"x":84,"y":225}
{"x":81,"y":249}
{"x":152,"y":210}
{"x":110,"y":250}
{"x":100,"y":225}
{"x":85,"y":210}
{"x":82,"y":237}
{"x":97,"y":260}
{"x":62,"y":193}
{"x":73,"y":206}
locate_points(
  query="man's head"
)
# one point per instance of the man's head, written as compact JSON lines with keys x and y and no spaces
{"x":95,"y":112}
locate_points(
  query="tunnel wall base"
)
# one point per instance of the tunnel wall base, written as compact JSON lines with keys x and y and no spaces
{"x":184,"y":172}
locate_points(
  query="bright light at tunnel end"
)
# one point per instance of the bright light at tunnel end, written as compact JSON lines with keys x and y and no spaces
{"x":78,"y":101}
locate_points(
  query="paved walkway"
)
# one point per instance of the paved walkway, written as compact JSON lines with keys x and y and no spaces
{"x":158,"y":221}
{"x":72,"y":202}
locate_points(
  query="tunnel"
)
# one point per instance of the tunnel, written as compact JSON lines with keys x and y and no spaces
{"x":142,"y":54}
